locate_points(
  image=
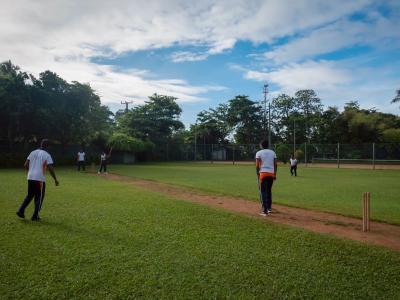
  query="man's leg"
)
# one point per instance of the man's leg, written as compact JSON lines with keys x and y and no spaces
{"x":269,"y":181}
{"x":105,"y":167}
{"x":264,"y":194}
{"x":39,"y":197}
{"x":295,"y":170}
{"x":291,"y":170}
{"x":28,"y":199}
{"x":83,"y":166}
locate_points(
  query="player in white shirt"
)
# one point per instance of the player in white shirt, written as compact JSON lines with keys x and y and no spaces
{"x":81,"y":160}
{"x":266,"y":167}
{"x":293,"y":166}
{"x":103,"y":161}
{"x":36,"y":164}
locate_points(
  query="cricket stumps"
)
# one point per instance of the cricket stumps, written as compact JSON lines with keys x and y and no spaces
{"x":366,"y":211}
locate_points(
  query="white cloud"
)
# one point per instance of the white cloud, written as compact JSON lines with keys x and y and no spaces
{"x":335,"y":82}
{"x":376,"y":31}
{"x":183,"y":56}
{"x":308,"y":75}
{"x":65,"y":35}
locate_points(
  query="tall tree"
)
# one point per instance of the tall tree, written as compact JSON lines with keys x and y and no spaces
{"x":284,"y":113}
{"x":245,"y":117}
{"x":157,"y":120}
{"x":310,"y":107}
{"x":212,"y":125}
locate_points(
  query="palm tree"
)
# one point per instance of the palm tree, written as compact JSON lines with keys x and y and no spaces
{"x":397,"y":97}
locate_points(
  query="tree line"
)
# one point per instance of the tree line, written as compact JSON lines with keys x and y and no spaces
{"x":299,"y":118}
{"x":71,"y":113}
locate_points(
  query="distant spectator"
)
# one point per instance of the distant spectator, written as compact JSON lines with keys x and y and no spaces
{"x":81,"y":157}
{"x":293,"y":165}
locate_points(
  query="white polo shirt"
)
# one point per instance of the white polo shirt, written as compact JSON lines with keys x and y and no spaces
{"x":293,"y":162}
{"x":81,"y":156}
{"x":267,"y":158}
{"x":38,"y":162}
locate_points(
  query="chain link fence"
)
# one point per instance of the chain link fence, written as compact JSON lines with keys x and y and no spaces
{"x":308,"y":154}
{"x":333,"y":154}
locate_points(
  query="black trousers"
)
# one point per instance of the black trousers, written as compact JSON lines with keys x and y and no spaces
{"x":36,"y":189}
{"x":293,"y":170}
{"x":81,"y":164}
{"x":266,"y":192}
{"x":103,"y":166}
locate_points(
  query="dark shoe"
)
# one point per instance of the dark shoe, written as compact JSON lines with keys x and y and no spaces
{"x":21,"y":215}
{"x":35,"y":219}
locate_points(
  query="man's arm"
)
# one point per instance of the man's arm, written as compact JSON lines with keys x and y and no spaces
{"x":26,"y":165}
{"x":53,"y":174}
{"x":258,"y":165}
{"x":275,"y":167}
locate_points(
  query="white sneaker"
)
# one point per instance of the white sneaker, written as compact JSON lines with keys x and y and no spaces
{"x":263,"y":214}
{"x":269,"y":211}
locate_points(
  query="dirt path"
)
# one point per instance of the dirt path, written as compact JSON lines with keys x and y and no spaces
{"x":381,"y":234}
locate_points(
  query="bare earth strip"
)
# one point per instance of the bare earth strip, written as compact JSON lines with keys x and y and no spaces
{"x":381,"y":234}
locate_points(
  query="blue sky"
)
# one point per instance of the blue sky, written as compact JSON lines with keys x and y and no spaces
{"x":207,"y":52}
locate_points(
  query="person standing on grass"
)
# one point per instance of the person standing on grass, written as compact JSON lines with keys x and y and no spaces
{"x":266,"y":167}
{"x":293,"y":165}
{"x":103,"y":161}
{"x":81,"y":160}
{"x":36,"y":164}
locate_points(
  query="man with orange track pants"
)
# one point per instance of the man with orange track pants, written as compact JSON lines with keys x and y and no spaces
{"x":266,"y":167}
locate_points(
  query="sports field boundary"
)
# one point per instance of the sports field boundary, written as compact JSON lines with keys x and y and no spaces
{"x":381,"y":234}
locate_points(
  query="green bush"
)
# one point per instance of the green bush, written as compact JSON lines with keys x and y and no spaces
{"x":283,"y":153}
{"x":124,"y":142}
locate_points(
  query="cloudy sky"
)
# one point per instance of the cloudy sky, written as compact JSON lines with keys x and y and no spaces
{"x":206,"y":52}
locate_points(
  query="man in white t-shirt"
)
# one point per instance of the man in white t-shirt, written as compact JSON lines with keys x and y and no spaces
{"x":266,"y":167}
{"x":81,"y":160}
{"x":103,"y":161}
{"x":36,"y":164}
{"x":293,"y":166}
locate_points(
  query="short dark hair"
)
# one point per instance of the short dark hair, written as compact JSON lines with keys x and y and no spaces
{"x":264,"y":144}
{"x":44,"y":144}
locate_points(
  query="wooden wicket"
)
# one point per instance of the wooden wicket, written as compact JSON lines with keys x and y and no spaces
{"x":366,"y":211}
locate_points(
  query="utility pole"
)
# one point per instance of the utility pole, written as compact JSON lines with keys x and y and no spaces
{"x":265,"y":92}
{"x":126,"y":105}
{"x":195,"y":141}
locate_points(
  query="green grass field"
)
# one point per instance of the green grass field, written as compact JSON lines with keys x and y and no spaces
{"x":100,"y":239}
{"x":331,"y":190}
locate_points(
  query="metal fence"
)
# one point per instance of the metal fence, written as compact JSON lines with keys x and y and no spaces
{"x":370,"y":154}
{"x":334,"y":154}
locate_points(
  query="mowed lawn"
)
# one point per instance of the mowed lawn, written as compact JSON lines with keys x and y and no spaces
{"x":332,"y":190}
{"x":100,"y":239}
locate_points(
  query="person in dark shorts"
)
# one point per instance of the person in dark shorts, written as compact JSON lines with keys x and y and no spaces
{"x":293,"y":166}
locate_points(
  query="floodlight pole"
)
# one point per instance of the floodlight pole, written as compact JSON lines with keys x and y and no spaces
{"x":269,"y":125}
{"x":265,"y":92}
{"x":294,"y":137}
{"x":195,"y":141}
